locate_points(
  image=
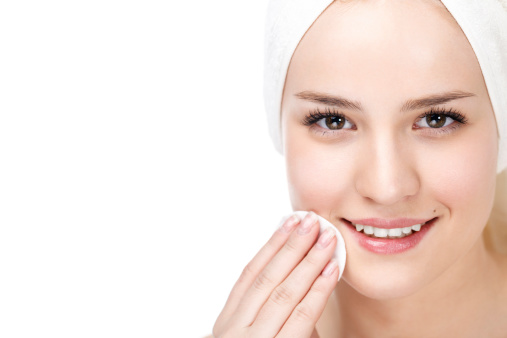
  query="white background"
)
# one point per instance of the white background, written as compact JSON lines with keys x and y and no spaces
{"x":137,"y":177}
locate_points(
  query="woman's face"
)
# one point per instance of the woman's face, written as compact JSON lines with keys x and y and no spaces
{"x":380,"y":159}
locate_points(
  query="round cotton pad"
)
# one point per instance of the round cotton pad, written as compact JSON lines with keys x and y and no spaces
{"x":340,"y":253}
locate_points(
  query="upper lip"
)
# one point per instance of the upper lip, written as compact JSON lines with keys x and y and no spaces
{"x":389,"y":223}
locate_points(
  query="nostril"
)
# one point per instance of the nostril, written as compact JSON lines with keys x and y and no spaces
{"x":388,"y":187}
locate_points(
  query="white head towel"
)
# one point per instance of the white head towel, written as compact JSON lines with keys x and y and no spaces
{"x":484,"y":23}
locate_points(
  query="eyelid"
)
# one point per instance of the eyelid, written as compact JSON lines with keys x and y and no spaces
{"x":450,"y":112}
{"x":315,"y":115}
{"x":458,"y":118}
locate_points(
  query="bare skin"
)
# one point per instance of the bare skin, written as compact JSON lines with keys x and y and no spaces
{"x":284,"y":289}
{"x":479,"y":312}
{"x":387,"y":162}
{"x":382,"y":160}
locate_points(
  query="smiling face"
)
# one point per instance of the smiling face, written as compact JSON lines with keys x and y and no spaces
{"x":357,"y":146}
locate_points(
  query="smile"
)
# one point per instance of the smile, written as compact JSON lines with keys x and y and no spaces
{"x":388,"y":233}
{"x":382,"y":236}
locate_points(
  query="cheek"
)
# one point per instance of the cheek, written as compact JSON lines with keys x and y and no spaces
{"x":319,"y":178}
{"x":462,"y":175}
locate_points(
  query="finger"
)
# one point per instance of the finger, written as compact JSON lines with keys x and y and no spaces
{"x":257,"y":264}
{"x":287,"y":295}
{"x":301,"y":322}
{"x":282,"y":264}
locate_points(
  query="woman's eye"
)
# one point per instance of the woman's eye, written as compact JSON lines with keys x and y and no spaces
{"x":334,"y":123}
{"x":435,"y":121}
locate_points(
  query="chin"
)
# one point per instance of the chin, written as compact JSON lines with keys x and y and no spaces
{"x":383,"y":282}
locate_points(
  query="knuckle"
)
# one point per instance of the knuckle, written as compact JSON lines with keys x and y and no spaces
{"x":320,"y":288}
{"x":247,"y":273}
{"x":312,"y":260}
{"x":282,"y":295}
{"x":262,"y":282}
{"x":303,"y":313}
{"x":291,"y":246}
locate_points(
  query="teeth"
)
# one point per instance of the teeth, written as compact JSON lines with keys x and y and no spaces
{"x":378,"y":232}
{"x":394,"y":232}
{"x":416,"y":227}
{"x":390,"y":233}
{"x":407,"y":230}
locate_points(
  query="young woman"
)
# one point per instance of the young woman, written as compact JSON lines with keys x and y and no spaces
{"x":391,"y":133}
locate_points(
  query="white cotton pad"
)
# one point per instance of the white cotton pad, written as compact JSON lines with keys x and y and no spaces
{"x":340,"y":253}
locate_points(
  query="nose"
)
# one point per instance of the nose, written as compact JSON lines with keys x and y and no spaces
{"x":387,"y":171}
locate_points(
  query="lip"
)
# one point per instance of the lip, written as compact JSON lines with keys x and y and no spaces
{"x":389,"y":223}
{"x":390,"y":246}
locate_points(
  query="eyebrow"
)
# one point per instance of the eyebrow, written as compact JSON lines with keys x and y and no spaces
{"x":329,"y":100}
{"x":411,"y":104}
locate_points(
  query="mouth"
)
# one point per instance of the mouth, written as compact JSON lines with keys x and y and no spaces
{"x":385,"y":238}
{"x":392,"y":233}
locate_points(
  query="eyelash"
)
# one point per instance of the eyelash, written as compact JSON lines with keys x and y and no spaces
{"x":316,"y":115}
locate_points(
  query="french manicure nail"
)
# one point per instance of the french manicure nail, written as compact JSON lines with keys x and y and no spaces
{"x":308,"y":222}
{"x":290,"y":223}
{"x":325,"y":238}
{"x":330,"y":268}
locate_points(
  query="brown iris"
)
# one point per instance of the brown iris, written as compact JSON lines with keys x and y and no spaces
{"x":435,"y":120}
{"x":335,"y":122}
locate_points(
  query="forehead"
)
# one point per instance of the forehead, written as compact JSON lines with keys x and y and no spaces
{"x":377,"y":47}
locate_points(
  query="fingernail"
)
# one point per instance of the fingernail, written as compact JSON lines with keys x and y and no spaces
{"x":325,"y":238}
{"x":330,"y":268}
{"x":290,"y":223}
{"x":308,"y":222}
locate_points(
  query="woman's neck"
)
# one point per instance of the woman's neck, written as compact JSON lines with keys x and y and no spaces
{"x":458,"y":303}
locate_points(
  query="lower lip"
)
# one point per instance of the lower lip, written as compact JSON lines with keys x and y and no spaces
{"x":394,"y":245}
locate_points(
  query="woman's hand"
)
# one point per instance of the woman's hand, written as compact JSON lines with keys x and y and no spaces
{"x":284,"y":289}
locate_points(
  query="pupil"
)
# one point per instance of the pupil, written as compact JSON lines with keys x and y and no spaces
{"x":435,"y":120}
{"x":335,"y":122}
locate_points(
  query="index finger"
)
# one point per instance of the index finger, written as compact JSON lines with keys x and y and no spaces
{"x":258,"y":263}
